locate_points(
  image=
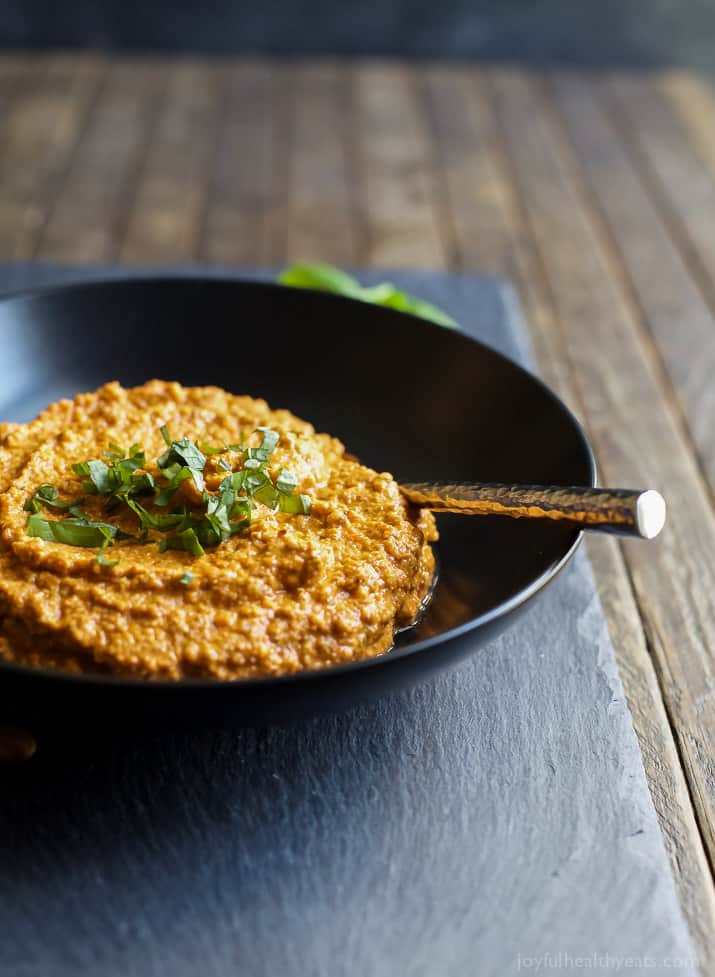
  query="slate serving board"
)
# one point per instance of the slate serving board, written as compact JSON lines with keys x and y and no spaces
{"x":495,"y":819}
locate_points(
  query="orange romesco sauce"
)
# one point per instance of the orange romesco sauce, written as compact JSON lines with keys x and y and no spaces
{"x":288,"y":593}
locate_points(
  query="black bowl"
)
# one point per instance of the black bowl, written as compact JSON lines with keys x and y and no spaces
{"x":406,"y":396}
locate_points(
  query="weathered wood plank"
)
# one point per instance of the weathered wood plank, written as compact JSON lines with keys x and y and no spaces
{"x":617,"y":373}
{"x":87,"y":222}
{"x":395,"y":185}
{"x":42,"y":125}
{"x":693,"y":99}
{"x":167,"y":213}
{"x":679,"y":177}
{"x":493,"y":233}
{"x":247,"y":171}
{"x":483,"y":207}
{"x":672,"y":305}
{"x":321,"y":224}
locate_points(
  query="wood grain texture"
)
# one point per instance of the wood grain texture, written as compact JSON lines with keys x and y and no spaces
{"x":246,"y":204}
{"x":674,"y":159}
{"x":41,"y":128}
{"x":616,"y":368}
{"x":396,"y":188}
{"x":491,"y":213}
{"x":167,"y":212}
{"x":693,"y":99}
{"x":661,"y":759}
{"x":322,"y":224}
{"x":87,"y":220}
{"x":639,"y":220}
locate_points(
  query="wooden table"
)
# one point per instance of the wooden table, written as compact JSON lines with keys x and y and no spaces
{"x":594,"y":193}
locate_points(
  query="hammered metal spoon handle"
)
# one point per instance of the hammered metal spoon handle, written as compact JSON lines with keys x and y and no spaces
{"x":627,"y":512}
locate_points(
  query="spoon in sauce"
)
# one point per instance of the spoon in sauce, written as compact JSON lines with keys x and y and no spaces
{"x":625,"y":512}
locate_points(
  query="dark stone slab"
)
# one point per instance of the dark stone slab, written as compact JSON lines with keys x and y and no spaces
{"x":492,"y":819}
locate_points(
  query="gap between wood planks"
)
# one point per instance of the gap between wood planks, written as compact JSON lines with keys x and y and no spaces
{"x":87,"y":220}
{"x":694,"y":322}
{"x":170,"y":196}
{"x":486,"y":194}
{"x":46,"y":112}
{"x":671,"y":296}
{"x":677,"y":610}
{"x":245,"y":210}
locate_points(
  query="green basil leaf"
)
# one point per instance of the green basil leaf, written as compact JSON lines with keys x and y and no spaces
{"x":267,"y":494}
{"x":190,"y":454}
{"x":143,"y":484}
{"x":70,"y":532}
{"x":286,"y":481}
{"x":96,"y":476}
{"x":321,"y":278}
{"x":103,"y":561}
{"x":167,"y":493}
{"x":270,"y":439}
{"x":160,"y":521}
{"x":187,"y":541}
{"x":425,"y":310}
{"x":325,"y":278}
{"x":294,"y":504}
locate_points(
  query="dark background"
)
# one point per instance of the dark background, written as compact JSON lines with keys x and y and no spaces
{"x":645,"y":32}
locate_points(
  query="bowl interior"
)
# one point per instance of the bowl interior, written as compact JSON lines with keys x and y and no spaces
{"x":404,"y":395}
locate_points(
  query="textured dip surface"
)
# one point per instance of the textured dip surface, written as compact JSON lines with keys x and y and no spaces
{"x":290,"y":592}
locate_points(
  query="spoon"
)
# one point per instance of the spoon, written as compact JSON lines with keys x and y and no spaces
{"x":626,"y":512}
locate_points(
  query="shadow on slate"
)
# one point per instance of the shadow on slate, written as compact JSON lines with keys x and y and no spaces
{"x":496,"y":814}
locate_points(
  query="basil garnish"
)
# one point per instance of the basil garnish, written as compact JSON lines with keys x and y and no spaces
{"x":122,"y":479}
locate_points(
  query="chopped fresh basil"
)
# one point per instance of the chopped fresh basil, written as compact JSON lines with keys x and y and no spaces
{"x":167,"y":493}
{"x":102,"y":559}
{"x":188,"y":541}
{"x":186,"y":579}
{"x":144,"y":484}
{"x":122,"y":478}
{"x":295,"y":504}
{"x":270,"y":439}
{"x":47,"y":495}
{"x":286,"y":481}
{"x":96,"y":476}
{"x":208,"y":450}
{"x":73,"y":532}
{"x":184,"y":452}
{"x":267,"y":494}
{"x":160,"y":522}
